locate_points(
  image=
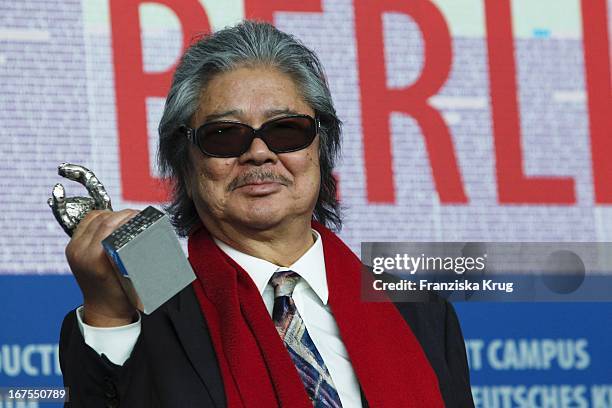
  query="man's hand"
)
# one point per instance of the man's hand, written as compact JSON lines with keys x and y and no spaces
{"x":109,"y":298}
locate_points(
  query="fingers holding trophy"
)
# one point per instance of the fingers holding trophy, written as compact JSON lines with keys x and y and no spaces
{"x":122,"y":259}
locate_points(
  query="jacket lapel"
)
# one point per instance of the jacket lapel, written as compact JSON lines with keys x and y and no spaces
{"x":194,"y":335}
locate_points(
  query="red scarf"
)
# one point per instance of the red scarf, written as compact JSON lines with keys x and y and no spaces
{"x":257,"y":371}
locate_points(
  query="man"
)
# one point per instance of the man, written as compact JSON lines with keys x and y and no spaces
{"x":249,"y":137}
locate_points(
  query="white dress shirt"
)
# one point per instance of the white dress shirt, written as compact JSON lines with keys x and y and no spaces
{"x":310,"y":296}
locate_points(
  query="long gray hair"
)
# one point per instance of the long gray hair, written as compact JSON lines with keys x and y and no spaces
{"x":249,"y":43}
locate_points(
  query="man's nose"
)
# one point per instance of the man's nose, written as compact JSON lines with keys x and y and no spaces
{"x":258,"y":153}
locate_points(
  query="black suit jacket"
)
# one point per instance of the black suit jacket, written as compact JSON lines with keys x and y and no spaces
{"x":173,"y":363}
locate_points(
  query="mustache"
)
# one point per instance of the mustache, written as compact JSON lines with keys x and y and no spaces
{"x":258,"y":176}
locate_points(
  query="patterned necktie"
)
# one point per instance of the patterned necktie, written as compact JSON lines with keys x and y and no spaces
{"x":305,"y":356}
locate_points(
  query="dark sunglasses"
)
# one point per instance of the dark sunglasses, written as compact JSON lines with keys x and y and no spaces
{"x":231,"y":139}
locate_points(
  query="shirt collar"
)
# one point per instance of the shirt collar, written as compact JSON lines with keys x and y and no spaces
{"x":310,"y":266}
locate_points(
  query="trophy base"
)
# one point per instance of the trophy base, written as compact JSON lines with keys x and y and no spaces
{"x":147,"y":251}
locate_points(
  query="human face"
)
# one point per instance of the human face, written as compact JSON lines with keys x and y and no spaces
{"x":259,"y":189}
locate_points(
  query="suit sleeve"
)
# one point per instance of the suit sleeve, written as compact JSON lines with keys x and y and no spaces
{"x":92,"y":379}
{"x":116,"y":342}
